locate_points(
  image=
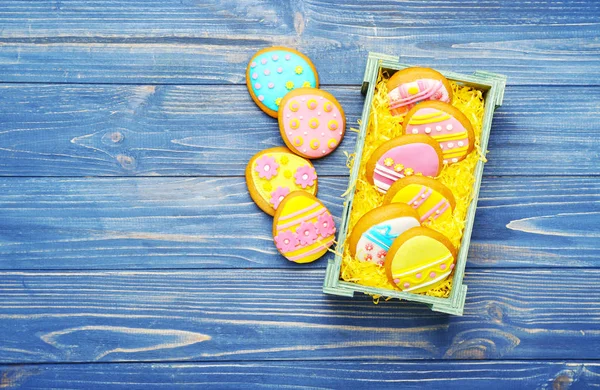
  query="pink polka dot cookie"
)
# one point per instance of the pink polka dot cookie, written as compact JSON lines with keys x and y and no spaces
{"x":274,"y":173}
{"x":311,"y":122}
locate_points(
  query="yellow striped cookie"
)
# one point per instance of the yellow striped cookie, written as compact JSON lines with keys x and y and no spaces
{"x":431,"y":199}
{"x":303,"y":228}
{"x":445,"y":124}
{"x":420,"y":259}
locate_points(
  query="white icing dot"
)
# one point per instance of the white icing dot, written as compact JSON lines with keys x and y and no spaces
{"x":304,"y":177}
{"x":306,"y":133}
{"x":320,"y":97}
{"x":437,"y":211}
{"x":415,"y":131}
{"x":460,"y":143}
{"x":303,"y":99}
{"x":286,"y":241}
{"x":267,"y":168}
{"x":423,"y":196}
{"x":301,"y":117}
{"x":341,"y":133}
{"x":319,"y":113}
{"x":306,"y":233}
{"x":304,"y":150}
{"x":454,"y":160}
{"x":290,"y":133}
{"x":445,"y":161}
{"x":334,"y":115}
{"x":449,"y":127}
{"x":322,"y":134}
{"x":438,"y":128}
{"x":441,"y":146}
{"x":323,"y":151}
{"x":280,"y":198}
{"x":428,"y":130}
{"x":287,"y":116}
{"x":450,"y":145}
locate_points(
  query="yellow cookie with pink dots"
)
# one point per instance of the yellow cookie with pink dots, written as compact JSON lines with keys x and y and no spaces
{"x":311,"y":122}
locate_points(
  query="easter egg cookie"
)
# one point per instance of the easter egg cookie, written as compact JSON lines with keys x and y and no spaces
{"x":410,"y":86}
{"x":275,"y":71}
{"x":303,"y":228}
{"x":407,"y":155}
{"x":311,"y":122}
{"x":445,"y":124}
{"x":274,"y":173}
{"x":420,"y":259}
{"x":430,"y":198}
{"x":375,"y":231}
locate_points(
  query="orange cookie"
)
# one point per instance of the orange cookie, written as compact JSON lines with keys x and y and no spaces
{"x":303,"y":228}
{"x":445,"y":124}
{"x":420,"y":259}
{"x":430,"y":198}
{"x":275,"y":71}
{"x":375,"y":231}
{"x":311,"y":122}
{"x":410,"y":86}
{"x":274,"y":173}
{"x":403,"y":156}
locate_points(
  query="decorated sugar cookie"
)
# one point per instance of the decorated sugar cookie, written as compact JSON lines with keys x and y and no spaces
{"x":407,"y":155}
{"x":274,"y":173}
{"x":410,"y":86}
{"x":303,"y":228}
{"x":275,"y":71}
{"x":311,"y":122}
{"x":375,"y":231}
{"x":430,"y":198}
{"x":445,"y":124}
{"x":419,"y":260}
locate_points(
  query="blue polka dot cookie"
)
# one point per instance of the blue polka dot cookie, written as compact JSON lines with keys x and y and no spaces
{"x":275,"y":71}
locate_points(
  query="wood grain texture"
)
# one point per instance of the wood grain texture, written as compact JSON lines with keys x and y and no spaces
{"x":103,"y":130}
{"x":219,"y":315}
{"x":209,"y":42}
{"x":499,"y":375}
{"x":104,"y":223}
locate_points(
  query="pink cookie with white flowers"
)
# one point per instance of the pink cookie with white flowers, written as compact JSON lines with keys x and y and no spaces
{"x":311,"y":122}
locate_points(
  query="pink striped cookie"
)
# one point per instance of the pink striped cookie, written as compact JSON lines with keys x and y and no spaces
{"x":407,"y":155}
{"x":444,"y":123}
{"x":409,"y":86}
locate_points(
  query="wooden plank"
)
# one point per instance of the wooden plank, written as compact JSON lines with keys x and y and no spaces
{"x":528,"y":55}
{"x":96,"y":223}
{"x":221,"y":315}
{"x":100,"y":130}
{"x":383,"y":374}
{"x":538,"y":42}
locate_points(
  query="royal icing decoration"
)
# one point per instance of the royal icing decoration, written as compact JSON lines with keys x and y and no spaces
{"x":406,"y":159}
{"x":272,"y":174}
{"x":420,"y":259}
{"x":312,"y":122}
{"x":303,"y":228}
{"x":454,"y":136}
{"x":407,"y":95}
{"x":423,"y":196}
{"x":374,"y":244}
{"x":274,"y":72}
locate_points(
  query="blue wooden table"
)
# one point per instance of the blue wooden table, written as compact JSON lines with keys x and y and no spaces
{"x":131,"y":255}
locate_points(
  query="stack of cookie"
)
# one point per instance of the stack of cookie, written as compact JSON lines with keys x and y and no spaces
{"x":282,"y":181}
{"x":434,"y":134}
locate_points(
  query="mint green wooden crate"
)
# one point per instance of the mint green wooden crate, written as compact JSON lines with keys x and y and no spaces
{"x":492,"y":85}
